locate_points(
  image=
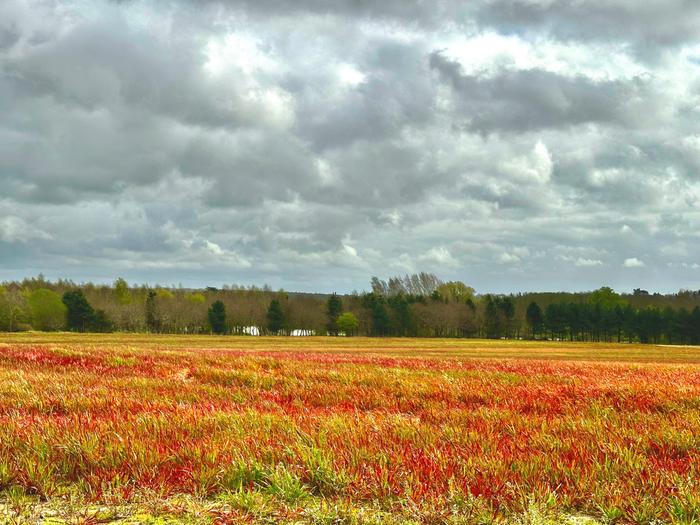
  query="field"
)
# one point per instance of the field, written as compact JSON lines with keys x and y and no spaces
{"x":165,"y":429}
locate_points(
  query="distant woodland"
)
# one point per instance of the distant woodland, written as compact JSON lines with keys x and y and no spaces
{"x":419,"y":305}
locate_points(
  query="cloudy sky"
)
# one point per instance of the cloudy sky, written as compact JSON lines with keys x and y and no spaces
{"x":512,"y":144}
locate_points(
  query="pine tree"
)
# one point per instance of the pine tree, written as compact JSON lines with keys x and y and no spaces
{"x":275,"y":317}
{"x":217,"y":317}
{"x":79,"y":315}
{"x":152,"y":320}
{"x":334,"y":307}
{"x":534,"y":319}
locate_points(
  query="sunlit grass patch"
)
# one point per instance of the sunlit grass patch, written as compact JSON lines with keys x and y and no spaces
{"x":119,"y":361}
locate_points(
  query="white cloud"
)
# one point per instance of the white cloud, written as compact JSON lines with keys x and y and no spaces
{"x":214,"y":248}
{"x":633,"y":262}
{"x":535,"y":167}
{"x":508,"y":258}
{"x":582,"y":262}
{"x":439,"y":255}
{"x":350,"y":75}
{"x":488,"y":52}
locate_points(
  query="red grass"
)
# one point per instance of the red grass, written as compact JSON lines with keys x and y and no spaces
{"x":112,"y":421}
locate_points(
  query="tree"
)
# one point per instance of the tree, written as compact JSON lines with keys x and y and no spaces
{"x":80,"y":315}
{"x":684,"y":325}
{"x":403,"y":322}
{"x":275,"y":317}
{"x":534,"y":319}
{"x":152,"y":319}
{"x":164,"y":293}
{"x":629,"y":319}
{"x":217,"y":317}
{"x":380,"y":320}
{"x":649,"y":324}
{"x":577,"y":316}
{"x":507,"y":307}
{"x":606,"y":298}
{"x":554,"y":318}
{"x":47,"y":310}
{"x":376,"y":304}
{"x":334,"y":307}
{"x":347,"y":323}
{"x":498,"y":316}
{"x":492,"y":318}
{"x":471,"y":304}
{"x":695,"y":326}
{"x":14,"y":311}
{"x":417,"y":284}
{"x":196,"y":298}
{"x":455,"y":292}
{"x":121,"y":291}
{"x":101,"y":323}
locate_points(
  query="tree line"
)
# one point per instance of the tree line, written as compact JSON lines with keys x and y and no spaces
{"x":419,"y":305}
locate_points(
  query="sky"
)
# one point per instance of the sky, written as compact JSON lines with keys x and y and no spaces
{"x":516,"y":145}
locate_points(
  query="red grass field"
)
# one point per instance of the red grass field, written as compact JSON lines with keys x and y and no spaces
{"x":324,"y":430}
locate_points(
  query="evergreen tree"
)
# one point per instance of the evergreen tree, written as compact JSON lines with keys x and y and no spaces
{"x":684,"y":326}
{"x":79,"y":315}
{"x":507,"y":307}
{"x":380,"y":319}
{"x":376,"y":304}
{"x":101,"y":323}
{"x":491,"y":318}
{"x":695,"y":326}
{"x":403,"y":323}
{"x":498,"y":316}
{"x":275,"y":317}
{"x":152,"y":320}
{"x":629,"y":322}
{"x":217,"y":317}
{"x":555,"y":320}
{"x":534,"y":319}
{"x":334,"y":307}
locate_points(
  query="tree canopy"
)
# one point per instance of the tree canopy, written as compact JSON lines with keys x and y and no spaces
{"x":47,"y":310}
{"x":347,"y":323}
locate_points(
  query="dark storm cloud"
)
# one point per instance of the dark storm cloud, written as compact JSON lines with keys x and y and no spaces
{"x":519,"y":101}
{"x":311,"y":144}
{"x":647,"y":27}
{"x":396,"y":93}
{"x":249,"y":170}
{"x":107,"y":64}
{"x":414,"y":13}
{"x":8,"y":37}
